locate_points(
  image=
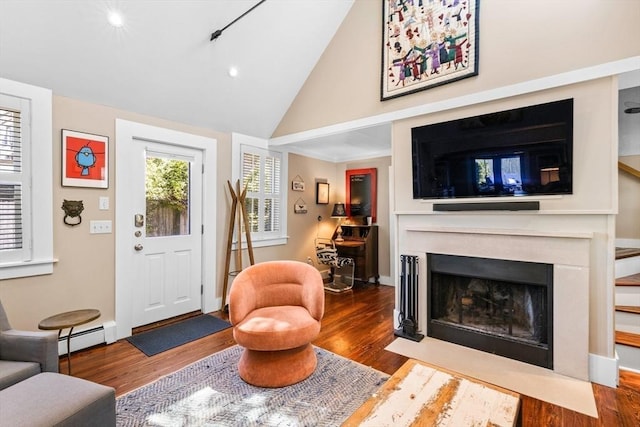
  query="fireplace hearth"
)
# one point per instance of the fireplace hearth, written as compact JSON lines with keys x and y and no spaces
{"x":498,"y":306}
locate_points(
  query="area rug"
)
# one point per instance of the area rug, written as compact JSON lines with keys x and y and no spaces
{"x":170,"y":336}
{"x":211,"y":393}
{"x":533,"y":381}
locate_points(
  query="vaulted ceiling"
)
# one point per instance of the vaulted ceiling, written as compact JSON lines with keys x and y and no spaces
{"x":161,"y":61}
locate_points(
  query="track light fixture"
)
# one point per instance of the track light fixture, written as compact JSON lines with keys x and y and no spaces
{"x":217,"y":33}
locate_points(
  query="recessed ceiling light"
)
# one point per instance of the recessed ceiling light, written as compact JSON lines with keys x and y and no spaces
{"x":115,"y":19}
{"x":233,"y":71}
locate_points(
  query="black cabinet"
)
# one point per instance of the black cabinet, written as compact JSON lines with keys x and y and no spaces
{"x":361,"y":244}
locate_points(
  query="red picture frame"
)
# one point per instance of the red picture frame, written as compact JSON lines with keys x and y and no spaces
{"x":361,"y":192}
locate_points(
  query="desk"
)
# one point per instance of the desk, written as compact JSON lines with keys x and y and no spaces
{"x":425,"y":395}
{"x":70,"y":319}
{"x":360,"y":243}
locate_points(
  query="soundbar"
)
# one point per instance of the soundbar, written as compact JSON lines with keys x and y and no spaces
{"x":496,"y":206}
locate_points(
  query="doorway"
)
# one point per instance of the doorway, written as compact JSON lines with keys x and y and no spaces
{"x":165,"y":217}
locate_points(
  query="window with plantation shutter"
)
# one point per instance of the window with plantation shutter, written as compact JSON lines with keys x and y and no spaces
{"x":261,"y":176}
{"x":26,"y":227}
{"x":261,"y":171}
{"x":14,"y":174}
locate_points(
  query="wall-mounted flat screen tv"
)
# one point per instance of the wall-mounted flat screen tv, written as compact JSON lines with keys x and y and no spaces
{"x":521,"y":152}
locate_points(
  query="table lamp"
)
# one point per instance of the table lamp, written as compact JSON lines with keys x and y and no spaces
{"x":339,"y":212}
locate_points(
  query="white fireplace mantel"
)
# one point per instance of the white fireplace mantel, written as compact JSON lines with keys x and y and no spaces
{"x":501,"y":231}
{"x":567,"y":251}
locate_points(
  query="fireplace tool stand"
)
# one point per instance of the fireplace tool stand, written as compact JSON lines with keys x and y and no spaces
{"x":408,"y":317}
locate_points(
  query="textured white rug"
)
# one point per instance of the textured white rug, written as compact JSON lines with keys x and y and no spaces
{"x":520,"y":377}
{"x":211,"y":393}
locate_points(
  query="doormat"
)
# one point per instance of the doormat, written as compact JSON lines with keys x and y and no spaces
{"x":171,"y":336}
{"x":210,"y":392}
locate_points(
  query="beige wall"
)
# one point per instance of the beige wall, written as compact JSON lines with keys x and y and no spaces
{"x":84,"y":275}
{"x":628,"y":219}
{"x":519,"y":41}
{"x":303,"y":228}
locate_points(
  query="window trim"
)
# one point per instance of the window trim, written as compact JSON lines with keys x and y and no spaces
{"x":41,"y":160}
{"x":237,"y":141}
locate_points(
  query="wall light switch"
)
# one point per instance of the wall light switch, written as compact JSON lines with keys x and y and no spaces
{"x":103,"y":204}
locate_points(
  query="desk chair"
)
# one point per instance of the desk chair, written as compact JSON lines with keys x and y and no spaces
{"x":342,"y":269}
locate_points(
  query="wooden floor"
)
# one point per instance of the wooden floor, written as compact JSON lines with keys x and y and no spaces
{"x":357,"y":325}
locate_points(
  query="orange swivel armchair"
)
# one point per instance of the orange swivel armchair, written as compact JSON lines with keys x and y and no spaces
{"x":275,"y":308}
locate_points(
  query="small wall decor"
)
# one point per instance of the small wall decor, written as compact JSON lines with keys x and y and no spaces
{"x":73,"y":209}
{"x":297,"y":184}
{"x":300,"y":206}
{"x":322,"y":193}
{"x":427,"y":44}
{"x":362,"y":195}
{"x":85,"y":160}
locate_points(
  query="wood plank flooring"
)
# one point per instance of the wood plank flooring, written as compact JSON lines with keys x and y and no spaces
{"x":358,"y":325}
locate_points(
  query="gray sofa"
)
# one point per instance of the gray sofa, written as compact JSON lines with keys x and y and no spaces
{"x":33,"y":393}
{"x":24,"y":354}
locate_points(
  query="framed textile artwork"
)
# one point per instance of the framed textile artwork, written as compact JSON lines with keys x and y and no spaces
{"x":85,"y":160}
{"x":427,"y":43}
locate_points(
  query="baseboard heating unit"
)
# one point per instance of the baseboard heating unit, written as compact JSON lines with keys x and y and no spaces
{"x":408,"y":316}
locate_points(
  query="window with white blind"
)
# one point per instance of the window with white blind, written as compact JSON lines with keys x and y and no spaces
{"x":14,"y":183}
{"x":26,"y":225}
{"x":262,"y":172}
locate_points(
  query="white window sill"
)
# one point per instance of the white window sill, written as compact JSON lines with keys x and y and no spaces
{"x":14,"y":270}
{"x":261,"y":243}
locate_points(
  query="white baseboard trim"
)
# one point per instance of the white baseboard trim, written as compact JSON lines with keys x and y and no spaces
{"x":396,"y":316}
{"x":110,"y":332}
{"x":624,"y":368}
{"x":386,"y":280}
{"x":628,"y":243}
{"x":603,"y":370}
{"x":84,"y":339}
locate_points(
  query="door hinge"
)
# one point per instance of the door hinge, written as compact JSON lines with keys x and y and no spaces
{"x":202,"y":229}
{"x":201,"y":289}
{"x":203,"y":168}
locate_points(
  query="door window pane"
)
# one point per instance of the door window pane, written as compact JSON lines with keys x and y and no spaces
{"x":167,"y":197}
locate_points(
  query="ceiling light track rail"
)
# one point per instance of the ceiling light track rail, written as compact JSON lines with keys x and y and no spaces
{"x":217,"y":33}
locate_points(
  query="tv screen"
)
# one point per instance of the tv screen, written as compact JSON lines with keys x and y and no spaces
{"x":520,"y":152}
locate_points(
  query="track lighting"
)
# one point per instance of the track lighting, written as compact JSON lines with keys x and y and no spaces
{"x":218,"y":33}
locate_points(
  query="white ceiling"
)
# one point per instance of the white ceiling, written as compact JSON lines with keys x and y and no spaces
{"x":162,"y":62}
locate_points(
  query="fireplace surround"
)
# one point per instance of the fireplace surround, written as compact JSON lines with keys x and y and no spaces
{"x":499,"y":306}
{"x":567,"y":251}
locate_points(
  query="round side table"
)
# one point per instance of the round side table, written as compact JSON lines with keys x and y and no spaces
{"x":69,"y":319}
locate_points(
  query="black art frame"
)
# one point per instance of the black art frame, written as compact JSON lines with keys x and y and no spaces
{"x":322,"y":193}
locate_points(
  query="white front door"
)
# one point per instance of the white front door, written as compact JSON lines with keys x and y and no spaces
{"x":166,"y":260}
{"x":160,"y":200}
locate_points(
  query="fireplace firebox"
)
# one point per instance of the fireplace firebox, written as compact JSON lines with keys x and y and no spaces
{"x":499,"y":306}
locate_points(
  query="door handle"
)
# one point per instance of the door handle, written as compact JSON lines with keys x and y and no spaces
{"x":138,"y":220}
{"x":138,"y":247}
